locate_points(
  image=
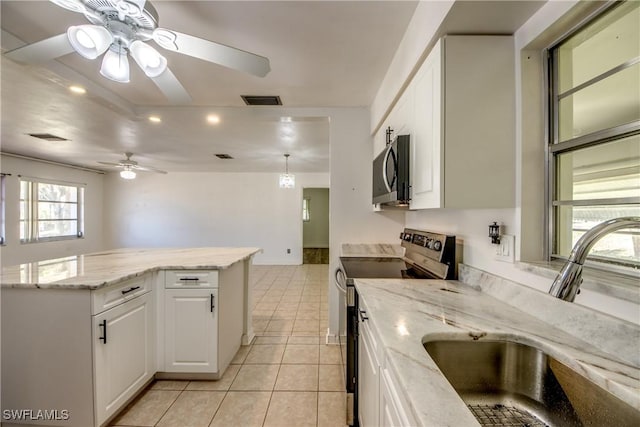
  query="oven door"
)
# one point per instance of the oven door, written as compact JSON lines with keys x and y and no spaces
{"x":351,"y":379}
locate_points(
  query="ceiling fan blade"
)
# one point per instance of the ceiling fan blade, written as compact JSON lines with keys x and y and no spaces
{"x":111,"y":164}
{"x":171,"y":87}
{"x":147,"y":169}
{"x":213,"y":52}
{"x":42,"y":51}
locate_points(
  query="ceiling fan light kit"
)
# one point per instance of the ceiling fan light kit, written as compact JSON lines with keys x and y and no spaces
{"x":127,"y":173}
{"x":148,"y":59}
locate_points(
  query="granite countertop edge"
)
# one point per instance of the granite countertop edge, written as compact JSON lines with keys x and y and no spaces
{"x":94,"y":280}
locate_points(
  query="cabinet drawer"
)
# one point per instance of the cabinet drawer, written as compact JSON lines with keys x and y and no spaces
{"x":110,"y":296}
{"x":180,"y":279}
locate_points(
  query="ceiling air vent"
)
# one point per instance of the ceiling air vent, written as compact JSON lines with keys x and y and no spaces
{"x":224,"y":156}
{"x":261,"y":100}
{"x":47,"y":137}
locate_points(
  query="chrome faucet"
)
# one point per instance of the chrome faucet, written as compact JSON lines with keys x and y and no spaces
{"x":568,"y":281}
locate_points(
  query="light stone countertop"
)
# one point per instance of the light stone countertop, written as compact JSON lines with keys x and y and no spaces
{"x":95,"y":270}
{"x":377,"y":250}
{"x":403,"y":313}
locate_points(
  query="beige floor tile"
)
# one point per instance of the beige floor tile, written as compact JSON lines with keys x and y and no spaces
{"x":279,"y":339}
{"x":297,"y":378}
{"x":317,"y":333}
{"x":255,"y":378}
{"x":241,"y":355}
{"x":308,"y":314}
{"x":304,"y":340}
{"x":260,"y":325}
{"x":169,"y":385}
{"x":222,"y":384}
{"x":332,"y":411}
{"x":242,"y":409}
{"x":148,"y":409}
{"x":290,"y":299}
{"x":292,"y":409}
{"x":301,"y":354}
{"x":192,"y":409}
{"x":266,"y":306}
{"x":306,"y":325}
{"x":280,"y":325}
{"x":310,"y":298}
{"x":284,"y":314}
{"x":331,"y":378}
{"x":309,"y":306}
{"x":267,"y":353}
{"x":330,"y":354}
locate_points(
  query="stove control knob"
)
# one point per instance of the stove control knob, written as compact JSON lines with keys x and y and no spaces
{"x":437,"y":245}
{"x":430,"y":244}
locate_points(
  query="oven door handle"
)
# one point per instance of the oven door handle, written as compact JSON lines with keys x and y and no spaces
{"x":340,"y":277}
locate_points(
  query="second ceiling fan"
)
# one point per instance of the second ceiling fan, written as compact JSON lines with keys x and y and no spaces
{"x":119,"y":27}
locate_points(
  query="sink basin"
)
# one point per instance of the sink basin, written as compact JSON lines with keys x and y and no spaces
{"x":507,"y":383}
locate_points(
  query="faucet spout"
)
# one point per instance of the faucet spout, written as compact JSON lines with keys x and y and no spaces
{"x":568,"y":281}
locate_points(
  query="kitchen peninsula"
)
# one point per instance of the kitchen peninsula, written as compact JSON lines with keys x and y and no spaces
{"x":82,"y":335}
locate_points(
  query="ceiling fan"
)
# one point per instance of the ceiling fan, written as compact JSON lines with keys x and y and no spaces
{"x":129,"y":167}
{"x":119,"y":27}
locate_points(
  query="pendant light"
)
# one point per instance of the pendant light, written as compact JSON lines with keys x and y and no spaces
{"x":287,"y":180}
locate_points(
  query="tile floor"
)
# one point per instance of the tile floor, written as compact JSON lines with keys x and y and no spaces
{"x":287,"y":377}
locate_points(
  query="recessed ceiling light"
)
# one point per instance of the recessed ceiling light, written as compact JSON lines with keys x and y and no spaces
{"x":78,"y":89}
{"x":155,"y":119}
{"x":213,"y":119}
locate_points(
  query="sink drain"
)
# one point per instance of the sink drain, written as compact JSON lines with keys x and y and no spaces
{"x":501,"y":415}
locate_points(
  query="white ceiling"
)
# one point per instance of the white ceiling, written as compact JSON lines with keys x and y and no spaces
{"x":322,"y":54}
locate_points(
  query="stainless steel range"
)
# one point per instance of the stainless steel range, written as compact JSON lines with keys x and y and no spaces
{"x":427,"y":255}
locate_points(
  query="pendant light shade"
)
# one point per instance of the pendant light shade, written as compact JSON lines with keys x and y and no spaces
{"x":90,"y":41}
{"x":148,"y":59}
{"x":115,"y":65}
{"x":287,"y":180}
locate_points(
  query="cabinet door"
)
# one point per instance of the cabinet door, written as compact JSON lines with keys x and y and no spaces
{"x":426,"y":145}
{"x":124,"y":353}
{"x":191,"y":330}
{"x":392,"y":414}
{"x":368,"y":379}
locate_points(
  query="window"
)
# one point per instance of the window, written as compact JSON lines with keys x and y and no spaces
{"x":50,"y":211}
{"x":305,"y":210}
{"x":594,"y":151}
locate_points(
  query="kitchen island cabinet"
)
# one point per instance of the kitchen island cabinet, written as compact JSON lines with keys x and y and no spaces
{"x":82,"y":335}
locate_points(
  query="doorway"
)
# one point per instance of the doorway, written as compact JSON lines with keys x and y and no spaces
{"x":315,"y":226}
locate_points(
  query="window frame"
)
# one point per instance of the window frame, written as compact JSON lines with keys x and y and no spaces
{"x":3,"y":211}
{"x":32,"y":210}
{"x":306,"y":209}
{"x":554,"y":147}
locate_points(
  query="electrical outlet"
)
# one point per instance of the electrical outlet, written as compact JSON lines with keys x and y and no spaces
{"x":288,"y":251}
{"x":505,"y":251}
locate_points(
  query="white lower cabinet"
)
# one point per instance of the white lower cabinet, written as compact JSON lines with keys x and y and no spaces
{"x":379,"y":401}
{"x":123,"y":353}
{"x":368,"y":377}
{"x":191,"y":330}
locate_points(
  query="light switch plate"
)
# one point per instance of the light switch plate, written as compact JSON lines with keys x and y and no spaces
{"x":505,"y":251}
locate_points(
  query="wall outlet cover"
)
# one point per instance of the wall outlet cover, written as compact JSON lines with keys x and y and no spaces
{"x":505,"y":251}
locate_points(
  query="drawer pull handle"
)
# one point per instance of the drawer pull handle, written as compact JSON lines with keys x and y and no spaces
{"x":103,"y":325}
{"x":213,"y":302}
{"x":189,"y":279}
{"x":126,"y":291}
{"x":363,"y":316}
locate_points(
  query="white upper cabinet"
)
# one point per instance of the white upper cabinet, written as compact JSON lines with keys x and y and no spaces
{"x":459,"y":109}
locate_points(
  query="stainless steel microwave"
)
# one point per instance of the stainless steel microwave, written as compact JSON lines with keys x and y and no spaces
{"x":391,"y":174}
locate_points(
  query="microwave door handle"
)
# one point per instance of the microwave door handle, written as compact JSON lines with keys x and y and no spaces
{"x":385,"y":179}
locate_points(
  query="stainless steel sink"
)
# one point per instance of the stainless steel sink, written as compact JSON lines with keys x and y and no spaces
{"x":506,"y":384}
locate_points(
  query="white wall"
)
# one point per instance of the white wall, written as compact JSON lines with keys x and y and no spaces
{"x":14,"y":252}
{"x":209,"y":209}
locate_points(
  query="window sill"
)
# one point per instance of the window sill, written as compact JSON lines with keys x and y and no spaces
{"x":612,"y":283}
